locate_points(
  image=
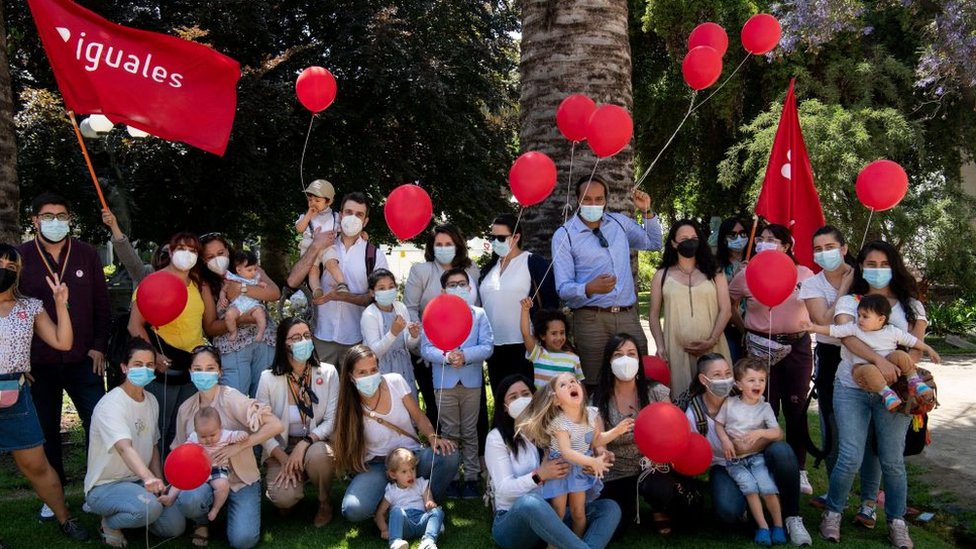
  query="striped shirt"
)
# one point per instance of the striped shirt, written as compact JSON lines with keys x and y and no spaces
{"x":547,"y":365}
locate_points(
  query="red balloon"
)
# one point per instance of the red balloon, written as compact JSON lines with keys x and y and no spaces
{"x":657,"y":369}
{"x":447,"y":321}
{"x":702,"y":67}
{"x":881,"y":185}
{"x":408,"y":211}
{"x":771,"y":277}
{"x":696,"y":458}
{"x":532,"y":178}
{"x":316,"y":88}
{"x":573,"y":115}
{"x":161,"y":297}
{"x":711,"y":35}
{"x":187,"y":467}
{"x":761,"y":34}
{"x":661,"y":431}
{"x":609,"y":130}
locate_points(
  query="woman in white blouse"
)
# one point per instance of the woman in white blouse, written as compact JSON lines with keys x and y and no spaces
{"x":523,"y":518}
{"x":303,"y":394}
{"x":387,"y":328}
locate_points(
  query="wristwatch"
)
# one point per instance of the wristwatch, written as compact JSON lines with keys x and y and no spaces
{"x":308,"y":439}
{"x":243,"y":289}
{"x":536,"y":478}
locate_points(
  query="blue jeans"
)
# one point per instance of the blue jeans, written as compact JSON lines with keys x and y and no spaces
{"x":366,"y":489}
{"x":751,"y":475}
{"x":127,"y":504}
{"x":407,"y":524}
{"x":730,"y":504}
{"x":243,"y":512}
{"x":242,"y":369}
{"x":531,"y":521}
{"x":856,"y":412}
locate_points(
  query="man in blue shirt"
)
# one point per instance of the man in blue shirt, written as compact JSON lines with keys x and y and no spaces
{"x":591,"y":263}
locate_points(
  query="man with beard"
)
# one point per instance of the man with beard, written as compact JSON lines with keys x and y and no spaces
{"x":78,"y":371}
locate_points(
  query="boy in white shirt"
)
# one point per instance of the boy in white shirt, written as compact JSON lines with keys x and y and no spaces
{"x":320,"y":217}
{"x":413,"y":511}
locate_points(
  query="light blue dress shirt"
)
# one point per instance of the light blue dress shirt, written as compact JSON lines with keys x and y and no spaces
{"x":476,"y":348}
{"x":579,"y":258}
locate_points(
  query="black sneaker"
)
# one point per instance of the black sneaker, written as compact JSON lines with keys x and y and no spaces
{"x":470,"y":490}
{"x":454,"y":490}
{"x":73,"y":530}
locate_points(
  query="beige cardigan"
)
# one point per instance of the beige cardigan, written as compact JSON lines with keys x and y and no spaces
{"x":273,"y":390}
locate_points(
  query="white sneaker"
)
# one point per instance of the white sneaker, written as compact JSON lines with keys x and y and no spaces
{"x":428,"y":543}
{"x":45,"y":513}
{"x":805,"y":487}
{"x":399,"y":544}
{"x":898,"y":535}
{"x":798,"y":532}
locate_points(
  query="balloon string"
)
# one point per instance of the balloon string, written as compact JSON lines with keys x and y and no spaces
{"x":440,"y":399}
{"x":769,"y":357}
{"x":569,"y":182}
{"x":517,"y":220}
{"x":724,"y":82}
{"x":866,"y":227}
{"x":691,"y":109}
{"x":301,"y":165}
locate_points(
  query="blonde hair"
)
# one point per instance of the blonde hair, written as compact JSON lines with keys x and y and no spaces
{"x":542,"y":410}
{"x":399,"y":457}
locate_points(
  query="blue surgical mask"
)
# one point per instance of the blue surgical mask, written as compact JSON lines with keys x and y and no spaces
{"x":204,"y":381}
{"x":302,"y":350}
{"x":141,"y":376}
{"x":368,"y":385}
{"x":738,"y":243}
{"x":828,"y":260}
{"x":500,"y":248}
{"x":444,"y":254}
{"x":591,"y":214}
{"x":459,"y":291}
{"x":54,"y":230}
{"x":385,"y":297}
{"x":766,"y":246}
{"x":878,"y":278}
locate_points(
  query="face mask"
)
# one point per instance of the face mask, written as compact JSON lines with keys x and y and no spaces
{"x":302,"y":350}
{"x":766,"y":246}
{"x":219,"y":264}
{"x":351,"y":225}
{"x":385,"y":297}
{"x":204,"y":381}
{"x":140,"y":377}
{"x":688,"y":248}
{"x":7,"y":279}
{"x":517,"y":406}
{"x":828,"y":260}
{"x":463,"y":293}
{"x":738,"y":243}
{"x":368,"y":385}
{"x":624,"y":367}
{"x":444,"y":254}
{"x":591,"y":214}
{"x":184,"y":260}
{"x":54,"y":230}
{"x":500,"y":248}
{"x":720,"y":387}
{"x":878,"y":278}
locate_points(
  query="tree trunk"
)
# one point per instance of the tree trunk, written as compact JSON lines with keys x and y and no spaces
{"x":572,"y":47}
{"x":9,"y":190}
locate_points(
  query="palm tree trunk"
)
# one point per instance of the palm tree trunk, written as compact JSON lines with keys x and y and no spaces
{"x":9,"y":190}
{"x":572,"y":47}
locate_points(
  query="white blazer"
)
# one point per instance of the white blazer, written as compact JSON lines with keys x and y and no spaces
{"x":273,"y":390}
{"x":378,"y":340}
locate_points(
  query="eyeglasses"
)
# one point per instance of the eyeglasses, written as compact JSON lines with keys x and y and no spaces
{"x":299,"y":337}
{"x":52,"y":217}
{"x":601,"y":238}
{"x":457,"y":284}
{"x":733,"y":236}
{"x":498,"y":237}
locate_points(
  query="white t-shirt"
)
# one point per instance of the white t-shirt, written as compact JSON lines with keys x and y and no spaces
{"x":884,"y":341}
{"x":338,"y":321}
{"x":381,"y":439}
{"x":118,"y":417}
{"x":740,"y":417}
{"x":718,"y":454}
{"x":819,"y":286}
{"x":847,"y":305}
{"x":411,"y":497}
{"x":500,"y":297}
{"x":323,"y":221}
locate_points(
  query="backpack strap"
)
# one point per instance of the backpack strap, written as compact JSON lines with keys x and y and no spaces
{"x":370,"y":258}
{"x":701,"y":417}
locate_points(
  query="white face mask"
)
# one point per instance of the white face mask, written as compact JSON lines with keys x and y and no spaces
{"x":624,"y":367}
{"x":184,"y":260}
{"x":351,"y":225}
{"x":219,"y":264}
{"x":766,"y":246}
{"x":517,"y":406}
{"x":591,"y":214}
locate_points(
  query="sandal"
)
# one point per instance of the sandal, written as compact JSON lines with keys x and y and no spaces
{"x":112,"y":540}
{"x":662,"y":523}
{"x":198,"y":539}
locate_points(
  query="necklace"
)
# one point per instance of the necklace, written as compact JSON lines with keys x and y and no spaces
{"x":379,"y":397}
{"x":691,"y":273}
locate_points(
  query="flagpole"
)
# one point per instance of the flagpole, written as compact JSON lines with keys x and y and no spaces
{"x":752,"y":235}
{"x":91,"y":169}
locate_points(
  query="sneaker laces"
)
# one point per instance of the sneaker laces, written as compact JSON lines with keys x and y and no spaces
{"x":898,"y":531}
{"x":868,"y":511}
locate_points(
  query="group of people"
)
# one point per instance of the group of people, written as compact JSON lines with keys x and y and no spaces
{"x":307,"y":401}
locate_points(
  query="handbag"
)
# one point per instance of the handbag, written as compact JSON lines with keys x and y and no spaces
{"x":10,"y":391}
{"x":766,"y":349}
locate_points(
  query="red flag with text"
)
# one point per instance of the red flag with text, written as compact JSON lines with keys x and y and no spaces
{"x":788,"y":196}
{"x":170,"y":87}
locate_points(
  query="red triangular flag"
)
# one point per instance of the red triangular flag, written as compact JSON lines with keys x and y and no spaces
{"x":172,"y":88}
{"x":788,"y":196}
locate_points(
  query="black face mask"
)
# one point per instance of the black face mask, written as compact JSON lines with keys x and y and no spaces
{"x":7,"y":279}
{"x":688,"y":248}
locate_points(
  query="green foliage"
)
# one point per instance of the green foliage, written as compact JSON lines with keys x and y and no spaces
{"x":957,"y":317}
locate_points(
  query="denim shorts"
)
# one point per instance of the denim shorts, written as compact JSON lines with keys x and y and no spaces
{"x":751,"y":475}
{"x":19,"y":427}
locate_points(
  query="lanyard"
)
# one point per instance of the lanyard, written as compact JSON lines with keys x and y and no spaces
{"x":47,"y":265}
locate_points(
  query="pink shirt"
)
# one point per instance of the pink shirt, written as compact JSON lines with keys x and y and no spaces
{"x":786,"y":317}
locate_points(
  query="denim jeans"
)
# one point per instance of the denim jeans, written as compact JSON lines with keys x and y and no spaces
{"x":531,"y":521}
{"x":243,"y":512}
{"x":856,"y":412}
{"x":730,"y":504}
{"x":408,"y":524}
{"x":242,"y":369}
{"x":366,"y":489}
{"x":127,"y":504}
